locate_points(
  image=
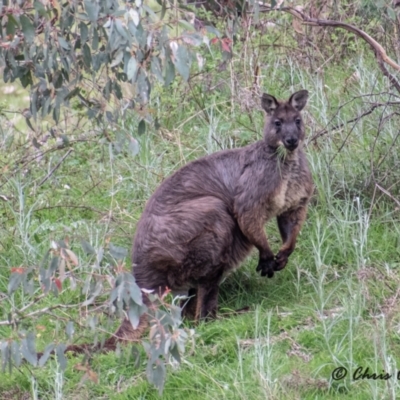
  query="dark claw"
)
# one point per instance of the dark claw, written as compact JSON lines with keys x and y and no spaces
{"x":266,"y":267}
{"x":270,"y":274}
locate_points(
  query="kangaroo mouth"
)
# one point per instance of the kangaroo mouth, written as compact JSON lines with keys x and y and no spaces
{"x":291,"y":147}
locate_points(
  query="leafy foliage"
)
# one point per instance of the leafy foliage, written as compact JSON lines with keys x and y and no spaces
{"x":166,"y":337}
{"x":87,"y":50}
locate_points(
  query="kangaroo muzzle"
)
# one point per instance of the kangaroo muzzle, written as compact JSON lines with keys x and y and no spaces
{"x":291,"y":143}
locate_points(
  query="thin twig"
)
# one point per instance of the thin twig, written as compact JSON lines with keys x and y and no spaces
{"x":56,"y":167}
{"x":70,"y":206}
{"x":37,"y":312}
{"x":388,"y":194}
{"x":32,"y":302}
{"x":356,"y":119}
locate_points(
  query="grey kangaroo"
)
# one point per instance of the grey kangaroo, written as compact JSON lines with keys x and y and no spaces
{"x":203,"y":220}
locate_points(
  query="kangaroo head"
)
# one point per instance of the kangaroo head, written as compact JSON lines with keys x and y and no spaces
{"x":284,"y":124}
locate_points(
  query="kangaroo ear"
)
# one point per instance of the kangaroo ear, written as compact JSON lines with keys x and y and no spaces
{"x":298,"y":100}
{"x":268,"y":103}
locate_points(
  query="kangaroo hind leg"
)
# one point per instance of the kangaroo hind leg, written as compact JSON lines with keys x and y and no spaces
{"x":207,"y":301}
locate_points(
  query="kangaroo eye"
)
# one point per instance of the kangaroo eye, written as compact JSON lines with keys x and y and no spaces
{"x":298,"y":121}
{"x":278,"y":123}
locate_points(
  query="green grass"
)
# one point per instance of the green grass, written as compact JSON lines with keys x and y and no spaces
{"x":335,"y":304}
{"x":14,"y":100}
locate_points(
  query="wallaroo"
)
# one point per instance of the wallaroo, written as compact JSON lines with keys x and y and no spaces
{"x":203,"y":220}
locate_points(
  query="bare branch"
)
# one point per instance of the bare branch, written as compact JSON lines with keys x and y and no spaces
{"x":356,"y":119}
{"x":380,"y":52}
{"x":385,"y":72}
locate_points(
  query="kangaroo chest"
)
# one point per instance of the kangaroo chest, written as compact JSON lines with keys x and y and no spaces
{"x":292,"y":192}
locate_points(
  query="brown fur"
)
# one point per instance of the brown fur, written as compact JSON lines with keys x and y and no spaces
{"x":205,"y":219}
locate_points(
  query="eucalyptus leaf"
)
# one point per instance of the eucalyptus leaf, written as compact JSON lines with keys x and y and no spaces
{"x":117,"y":59}
{"x":95,"y":40}
{"x":87,"y":57}
{"x":142,"y":127}
{"x":169,"y":73}
{"x":133,"y":147}
{"x":156,"y":68}
{"x":187,"y":25}
{"x":157,"y":376}
{"x":39,"y":8}
{"x":213,"y":30}
{"x":14,"y":282}
{"x":16,"y":353}
{"x":53,"y":265}
{"x":182,"y":62}
{"x":46,"y":354}
{"x":194,"y":39}
{"x":132,"y":68}
{"x":150,"y":12}
{"x":63,"y":43}
{"x":27,"y":28}
{"x":143,"y":86}
{"x":5,"y":354}
{"x":11,"y":26}
{"x":92,"y":9}
{"x":87,"y":248}
{"x":134,"y":16}
{"x":60,"y":349}
{"x":119,"y":253}
{"x":28,"y":349}
{"x":163,"y":9}
{"x":135,"y":292}
{"x":121,"y":29}
{"x":133,"y":314}
{"x":84,"y":32}
{"x":70,"y":329}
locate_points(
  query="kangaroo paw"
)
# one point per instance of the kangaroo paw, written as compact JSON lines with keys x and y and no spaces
{"x":267,"y":267}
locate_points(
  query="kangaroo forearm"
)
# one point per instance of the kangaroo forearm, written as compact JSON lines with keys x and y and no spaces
{"x":255,"y":234}
{"x":289,"y":225}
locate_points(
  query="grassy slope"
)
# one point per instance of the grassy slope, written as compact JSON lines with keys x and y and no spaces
{"x":334,"y":305}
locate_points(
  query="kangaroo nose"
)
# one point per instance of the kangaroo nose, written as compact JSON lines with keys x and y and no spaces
{"x":291,"y":143}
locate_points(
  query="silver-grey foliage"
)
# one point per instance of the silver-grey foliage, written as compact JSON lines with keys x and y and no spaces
{"x":60,"y":50}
